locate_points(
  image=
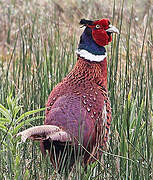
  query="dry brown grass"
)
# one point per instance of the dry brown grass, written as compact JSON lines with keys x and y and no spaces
{"x":17,"y":14}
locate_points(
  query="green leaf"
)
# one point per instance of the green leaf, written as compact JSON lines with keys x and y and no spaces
{"x":5,"y":112}
{"x":15,"y":111}
{"x":4,"y":129}
{"x":4,"y":120}
{"x":16,"y":129}
{"x":28,"y":114}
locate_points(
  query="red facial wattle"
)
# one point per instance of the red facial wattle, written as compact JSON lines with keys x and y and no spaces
{"x":100,"y":36}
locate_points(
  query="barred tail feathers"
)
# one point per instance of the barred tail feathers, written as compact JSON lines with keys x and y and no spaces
{"x":44,"y":132}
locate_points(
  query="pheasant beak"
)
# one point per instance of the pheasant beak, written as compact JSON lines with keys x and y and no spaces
{"x":112,"y":29}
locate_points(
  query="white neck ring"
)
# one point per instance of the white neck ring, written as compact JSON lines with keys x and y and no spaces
{"x":89,"y":56}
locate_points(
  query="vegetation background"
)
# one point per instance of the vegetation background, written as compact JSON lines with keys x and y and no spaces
{"x":38,"y":39}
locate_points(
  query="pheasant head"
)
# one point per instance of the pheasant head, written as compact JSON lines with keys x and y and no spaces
{"x":96,"y":35}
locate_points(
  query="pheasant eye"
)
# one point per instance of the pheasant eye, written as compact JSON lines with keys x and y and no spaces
{"x":97,"y":26}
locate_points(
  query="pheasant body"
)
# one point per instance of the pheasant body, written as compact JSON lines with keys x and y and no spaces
{"x":79,"y":105}
{"x":83,"y":90}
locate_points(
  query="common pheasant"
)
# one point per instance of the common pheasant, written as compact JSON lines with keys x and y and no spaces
{"x":78,"y":113}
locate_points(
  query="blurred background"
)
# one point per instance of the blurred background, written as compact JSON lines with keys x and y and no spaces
{"x":48,"y":14}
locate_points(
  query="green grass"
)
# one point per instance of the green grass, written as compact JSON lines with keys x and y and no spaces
{"x":38,"y":50}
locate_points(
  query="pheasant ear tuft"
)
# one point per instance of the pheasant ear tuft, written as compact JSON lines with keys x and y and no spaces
{"x":86,"y":22}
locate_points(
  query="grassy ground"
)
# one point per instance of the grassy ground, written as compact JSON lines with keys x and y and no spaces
{"x":38,"y":40}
